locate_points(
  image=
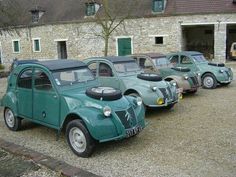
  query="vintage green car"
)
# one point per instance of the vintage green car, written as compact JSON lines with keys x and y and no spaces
{"x":212,"y":74}
{"x":158,"y":63}
{"x":124,"y":73}
{"x":63,"y":94}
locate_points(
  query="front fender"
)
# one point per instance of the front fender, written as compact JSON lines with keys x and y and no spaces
{"x":99,"y":126}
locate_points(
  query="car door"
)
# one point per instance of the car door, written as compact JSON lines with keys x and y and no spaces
{"x":174,"y":60}
{"x":106,"y":76}
{"x":186,"y":61}
{"x":45,"y":99}
{"x":24,"y":93}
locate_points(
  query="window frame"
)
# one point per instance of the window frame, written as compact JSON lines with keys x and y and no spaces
{"x":34,"y":46}
{"x":19,"y":77}
{"x":162,"y":37}
{"x":155,"y":9}
{"x":90,"y":9}
{"x":13,"y":45}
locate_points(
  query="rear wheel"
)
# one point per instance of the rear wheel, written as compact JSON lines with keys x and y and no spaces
{"x":209,"y":81}
{"x":12,"y":122}
{"x":79,"y":139}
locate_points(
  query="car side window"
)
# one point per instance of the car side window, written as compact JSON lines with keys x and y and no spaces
{"x":93,"y":68}
{"x":185,"y":60}
{"x":105,"y":70}
{"x":145,"y":63}
{"x":42,"y":81}
{"x":25,"y":79}
{"x":174,"y":59}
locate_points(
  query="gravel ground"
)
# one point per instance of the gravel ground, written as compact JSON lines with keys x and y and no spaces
{"x":196,"y":138}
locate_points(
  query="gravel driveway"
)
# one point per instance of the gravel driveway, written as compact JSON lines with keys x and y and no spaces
{"x":196,"y":138}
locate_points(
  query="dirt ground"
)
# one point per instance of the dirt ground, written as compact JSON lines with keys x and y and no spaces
{"x":197,"y":138}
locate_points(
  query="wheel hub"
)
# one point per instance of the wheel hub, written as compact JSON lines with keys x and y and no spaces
{"x":77,"y":139}
{"x":10,"y":118}
{"x":208,"y":82}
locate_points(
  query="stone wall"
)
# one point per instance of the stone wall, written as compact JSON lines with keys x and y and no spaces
{"x":82,"y":39}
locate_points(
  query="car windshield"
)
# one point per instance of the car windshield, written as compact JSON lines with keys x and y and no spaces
{"x":199,"y":58}
{"x":73,"y":76}
{"x":162,"y":62}
{"x":130,"y":66}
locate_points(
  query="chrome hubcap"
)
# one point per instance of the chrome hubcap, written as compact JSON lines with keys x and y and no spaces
{"x":208,"y":82}
{"x":77,"y":139}
{"x":9,"y":116}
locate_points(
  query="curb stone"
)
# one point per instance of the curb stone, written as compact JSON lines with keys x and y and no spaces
{"x":55,"y":165}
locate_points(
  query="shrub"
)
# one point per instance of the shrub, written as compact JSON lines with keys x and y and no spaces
{"x":2,"y":67}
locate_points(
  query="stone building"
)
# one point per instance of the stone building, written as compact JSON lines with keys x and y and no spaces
{"x":67,"y":29}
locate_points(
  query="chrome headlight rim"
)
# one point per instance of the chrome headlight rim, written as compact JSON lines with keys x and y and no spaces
{"x":107,"y":111}
{"x":186,"y":77}
{"x":153,"y":88}
{"x":221,"y":71}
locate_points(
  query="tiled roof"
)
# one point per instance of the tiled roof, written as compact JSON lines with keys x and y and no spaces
{"x":57,"y":11}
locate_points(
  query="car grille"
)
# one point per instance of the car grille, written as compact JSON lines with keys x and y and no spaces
{"x":127,"y":118}
{"x":194,"y":80}
{"x":166,"y":93}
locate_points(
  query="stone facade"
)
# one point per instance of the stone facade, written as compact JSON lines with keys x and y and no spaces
{"x":82,"y":41}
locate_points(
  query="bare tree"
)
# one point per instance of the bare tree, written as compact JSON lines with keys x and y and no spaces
{"x":111,"y":15}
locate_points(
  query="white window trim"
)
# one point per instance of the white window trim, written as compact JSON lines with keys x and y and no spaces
{"x":154,"y":37}
{"x":39,"y":39}
{"x":13,"y":45}
{"x":120,"y":37}
{"x":58,"y":40}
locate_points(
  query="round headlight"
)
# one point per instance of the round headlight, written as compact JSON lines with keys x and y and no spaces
{"x":174,"y":83}
{"x":221,"y":71}
{"x":107,"y":111}
{"x":199,"y":74}
{"x":186,"y":77}
{"x":154,"y":88}
{"x":139,"y":101}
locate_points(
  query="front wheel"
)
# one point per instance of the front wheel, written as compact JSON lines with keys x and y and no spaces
{"x":79,"y":139}
{"x":209,"y":81}
{"x":12,"y":122}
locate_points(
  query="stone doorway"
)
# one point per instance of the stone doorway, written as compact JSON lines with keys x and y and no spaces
{"x":199,"y":38}
{"x":62,"y":49}
{"x":231,"y":38}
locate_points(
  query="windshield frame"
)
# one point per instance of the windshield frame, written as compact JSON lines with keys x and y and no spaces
{"x":71,"y":83}
{"x":126,"y":71}
{"x":196,"y":61}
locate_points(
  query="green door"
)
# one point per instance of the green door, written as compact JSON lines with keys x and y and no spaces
{"x":124,"y":46}
{"x":24,"y":94}
{"x":46,"y":100}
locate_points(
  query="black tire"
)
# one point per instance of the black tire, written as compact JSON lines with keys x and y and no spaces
{"x":170,"y":106}
{"x":181,"y":69}
{"x":212,"y":78}
{"x":12,"y":122}
{"x":90,"y":142}
{"x":104,"y":93}
{"x":149,"y":77}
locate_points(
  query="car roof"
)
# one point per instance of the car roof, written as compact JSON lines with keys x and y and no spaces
{"x":188,"y":53}
{"x":62,"y":64}
{"x":117,"y":59}
{"x":151,"y":55}
{"x":20,"y":62}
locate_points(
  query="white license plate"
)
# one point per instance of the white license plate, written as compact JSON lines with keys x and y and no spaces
{"x":133,"y":131}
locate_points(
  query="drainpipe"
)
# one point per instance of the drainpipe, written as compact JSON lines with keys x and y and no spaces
{"x":30,"y":41}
